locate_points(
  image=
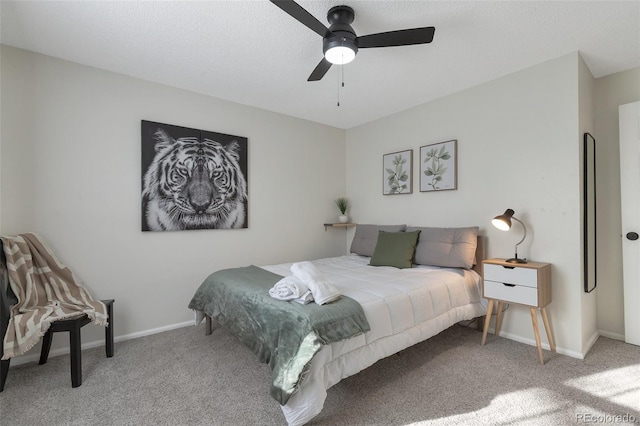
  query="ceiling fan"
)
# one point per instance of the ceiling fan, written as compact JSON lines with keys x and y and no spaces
{"x":340,"y":42}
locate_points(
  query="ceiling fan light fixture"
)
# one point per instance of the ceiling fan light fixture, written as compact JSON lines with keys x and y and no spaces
{"x":339,"y":49}
{"x":340,"y":55}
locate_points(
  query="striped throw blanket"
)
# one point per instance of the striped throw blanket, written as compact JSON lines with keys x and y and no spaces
{"x":46,"y":290}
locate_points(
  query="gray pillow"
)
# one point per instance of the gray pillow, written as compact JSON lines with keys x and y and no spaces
{"x":364,"y":242}
{"x":447,"y":247}
{"x":395,"y":249}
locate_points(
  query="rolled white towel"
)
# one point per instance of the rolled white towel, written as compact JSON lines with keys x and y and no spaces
{"x":305,"y":298}
{"x":288,"y":288}
{"x":322,"y":291}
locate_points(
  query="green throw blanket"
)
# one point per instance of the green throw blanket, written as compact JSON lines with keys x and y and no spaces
{"x":286,"y":335}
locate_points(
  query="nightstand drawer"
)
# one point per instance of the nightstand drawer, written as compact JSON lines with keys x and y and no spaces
{"x":508,"y":293}
{"x":511,"y":275}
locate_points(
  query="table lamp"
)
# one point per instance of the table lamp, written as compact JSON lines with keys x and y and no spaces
{"x":503,"y":223}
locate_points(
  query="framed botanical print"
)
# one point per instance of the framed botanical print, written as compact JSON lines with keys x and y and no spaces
{"x":438,"y":166}
{"x":397,"y":171}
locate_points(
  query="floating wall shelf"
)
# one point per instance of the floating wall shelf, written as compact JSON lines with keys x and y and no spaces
{"x":338,"y":225}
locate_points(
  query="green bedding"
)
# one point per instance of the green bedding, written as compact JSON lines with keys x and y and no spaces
{"x":286,"y":335}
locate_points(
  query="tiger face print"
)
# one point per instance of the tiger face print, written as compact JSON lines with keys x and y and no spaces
{"x":194,"y":184}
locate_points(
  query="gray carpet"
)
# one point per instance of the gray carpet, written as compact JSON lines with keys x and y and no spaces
{"x":183,"y":377}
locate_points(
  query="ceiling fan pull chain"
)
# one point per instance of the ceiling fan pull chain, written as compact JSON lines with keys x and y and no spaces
{"x":342,"y":66}
{"x":338,"y":89}
{"x":340,"y":81}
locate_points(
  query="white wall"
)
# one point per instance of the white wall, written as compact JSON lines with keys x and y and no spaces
{"x":518,"y":147}
{"x":17,"y":132}
{"x":71,"y":160}
{"x":611,"y":92}
{"x":586,"y":125}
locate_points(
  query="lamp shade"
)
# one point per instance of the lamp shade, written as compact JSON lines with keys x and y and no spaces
{"x":503,"y":221}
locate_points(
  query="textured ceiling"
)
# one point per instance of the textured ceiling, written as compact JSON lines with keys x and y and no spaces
{"x":252,"y":53}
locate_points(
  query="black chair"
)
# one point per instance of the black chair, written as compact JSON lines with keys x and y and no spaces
{"x":72,"y":325}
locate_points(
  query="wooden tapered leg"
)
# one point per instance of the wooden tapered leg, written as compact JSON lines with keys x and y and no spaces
{"x":547,"y":328}
{"x":536,"y":332}
{"x":486,"y":321}
{"x":498,"y":319}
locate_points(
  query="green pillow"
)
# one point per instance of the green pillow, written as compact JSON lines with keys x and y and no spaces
{"x":395,"y":249}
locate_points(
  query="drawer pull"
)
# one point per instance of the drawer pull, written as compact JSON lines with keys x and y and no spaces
{"x":509,"y":285}
{"x":508,"y":267}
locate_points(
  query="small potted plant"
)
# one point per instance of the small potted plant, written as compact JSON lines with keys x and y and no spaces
{"x":343,"y":206}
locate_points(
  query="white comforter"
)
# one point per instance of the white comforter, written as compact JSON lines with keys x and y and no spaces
{"x":403,"y":307}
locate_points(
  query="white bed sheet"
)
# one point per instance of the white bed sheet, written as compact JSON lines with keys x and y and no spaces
{"x":403,"y":307}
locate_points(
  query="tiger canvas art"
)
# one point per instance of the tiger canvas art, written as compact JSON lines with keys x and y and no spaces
{"x":192,"y":179}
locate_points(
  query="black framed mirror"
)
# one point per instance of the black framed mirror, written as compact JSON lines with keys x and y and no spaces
{"x":589,"y":212}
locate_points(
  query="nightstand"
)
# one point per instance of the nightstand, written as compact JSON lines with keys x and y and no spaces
{"x":527,"y":284}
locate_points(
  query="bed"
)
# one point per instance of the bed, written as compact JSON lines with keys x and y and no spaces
{"x":402,"y":305}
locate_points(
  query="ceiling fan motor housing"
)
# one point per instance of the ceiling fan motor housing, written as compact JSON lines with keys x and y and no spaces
{"x":340,"y":18}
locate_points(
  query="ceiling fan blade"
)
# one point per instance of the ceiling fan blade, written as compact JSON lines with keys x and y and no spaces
{"x":397,"y":38}
{"x":300,"y":14}
{"x":320,"y":70}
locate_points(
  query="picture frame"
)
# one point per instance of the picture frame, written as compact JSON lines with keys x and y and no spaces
{"x":589,"y":212}
{"x":192,"y":179}
{"x":439,"y":166}
{"x":397,"y":173}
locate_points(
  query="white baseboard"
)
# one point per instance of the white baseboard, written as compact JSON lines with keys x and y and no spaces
{"x":592,"y":340}
{"x":560,"y":350}
{"x":532,"y":342}
{"x":35,"y":357}
{"x":614,"y":336}
{"x":65,"y":350}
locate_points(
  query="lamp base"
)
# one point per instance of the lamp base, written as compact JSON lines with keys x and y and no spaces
{"x":516,"y":260}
